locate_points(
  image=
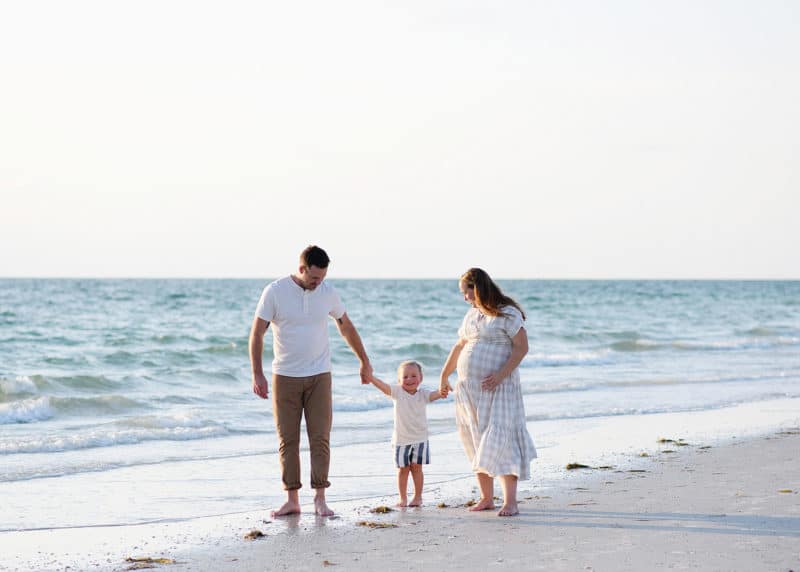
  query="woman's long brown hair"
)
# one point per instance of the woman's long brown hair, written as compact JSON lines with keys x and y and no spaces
{"x":488,"y":296}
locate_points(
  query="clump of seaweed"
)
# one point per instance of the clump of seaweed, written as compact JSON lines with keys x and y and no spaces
{"x":373,"y":524}
{"x":381,"y":509}
{"x":254,"y":534}
{"x":676,"y":442}
{"x":442,"y":505}
{"x":573,"y":466}
{"x":146,"y":562}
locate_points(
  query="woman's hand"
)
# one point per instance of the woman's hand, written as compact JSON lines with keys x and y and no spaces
{"x":489,"y":382}
{"x":444,"y":387}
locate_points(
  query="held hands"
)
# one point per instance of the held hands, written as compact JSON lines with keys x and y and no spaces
{"x":260,"y":385}
{"x":366,"y":373}
{"x":444,"y":387}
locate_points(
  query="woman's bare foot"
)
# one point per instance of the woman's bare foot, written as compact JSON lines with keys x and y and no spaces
{"x":290,"y":507}
{"x":416,"y":501}
{"x":403,"y":502}
{"x":508,"y":510}
{"x":483,"y":504}
{"x":321,"y":507}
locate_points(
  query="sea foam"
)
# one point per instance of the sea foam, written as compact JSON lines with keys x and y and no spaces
{"x":26,"y":411}
{"x":107,"y":438}
{"x":21,"y":385}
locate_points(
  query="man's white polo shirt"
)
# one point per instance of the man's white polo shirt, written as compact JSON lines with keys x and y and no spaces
{"x":299,"y":319}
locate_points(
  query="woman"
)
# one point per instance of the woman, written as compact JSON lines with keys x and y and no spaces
{"x":490,"y":414}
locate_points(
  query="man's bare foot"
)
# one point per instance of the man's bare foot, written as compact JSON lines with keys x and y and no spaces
{"x":508,"y":510}
{"x":321,"y":507}
{"x":416,"y":501}
{"x":402,"y":503}
{"x":483,"y":504}
{"x":291,"y":507}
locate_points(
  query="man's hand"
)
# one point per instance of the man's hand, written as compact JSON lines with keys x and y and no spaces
{"x":260,"y":385}
{"x":366,"y":373}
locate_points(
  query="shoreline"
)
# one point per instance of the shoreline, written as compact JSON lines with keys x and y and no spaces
{"x":688,"y":486}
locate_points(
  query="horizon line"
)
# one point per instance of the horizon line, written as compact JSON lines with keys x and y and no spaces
{"x":540,"y":278}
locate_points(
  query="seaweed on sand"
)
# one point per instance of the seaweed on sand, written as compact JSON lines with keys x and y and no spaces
{"x":373,"y":524}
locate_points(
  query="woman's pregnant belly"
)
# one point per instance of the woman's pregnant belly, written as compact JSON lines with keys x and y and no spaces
{"x":477,"y":360}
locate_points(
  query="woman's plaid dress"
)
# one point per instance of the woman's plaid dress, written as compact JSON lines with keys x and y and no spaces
{"x":491,"y":424}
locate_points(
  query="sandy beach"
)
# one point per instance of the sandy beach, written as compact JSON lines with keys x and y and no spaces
{"x":731,"y":508}
{"x":686,"y":506}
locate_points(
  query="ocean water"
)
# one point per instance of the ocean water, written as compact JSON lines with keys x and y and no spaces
{"x":130,"y":400}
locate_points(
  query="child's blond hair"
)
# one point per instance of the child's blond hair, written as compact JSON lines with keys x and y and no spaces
{"x":408,"y":362}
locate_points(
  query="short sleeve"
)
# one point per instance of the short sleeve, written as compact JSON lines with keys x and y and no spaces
{"x":395,"y":389}
{"x":266,"y":304}
{"x":337,"y":306}
{"x":426,"y":394}
{"x":512,"y":321}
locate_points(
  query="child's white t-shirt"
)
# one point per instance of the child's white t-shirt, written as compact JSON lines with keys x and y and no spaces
{"x":410,"y":421}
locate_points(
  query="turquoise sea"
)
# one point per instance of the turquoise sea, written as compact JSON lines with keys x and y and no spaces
{"x":131,"y":398}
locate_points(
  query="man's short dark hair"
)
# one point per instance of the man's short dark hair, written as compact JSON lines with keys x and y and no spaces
{"x":314,"y":256}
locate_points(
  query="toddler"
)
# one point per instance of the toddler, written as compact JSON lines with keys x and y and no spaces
{"x":410,"y":437}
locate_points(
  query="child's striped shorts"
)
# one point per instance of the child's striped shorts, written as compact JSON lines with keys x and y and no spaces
{"x":405,"y":455}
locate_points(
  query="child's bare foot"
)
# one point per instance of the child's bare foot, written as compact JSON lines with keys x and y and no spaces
{"x":508,"y":510}
{"x":321,"y":508}
{"x":290,"y":507}
{"x":483,"y":504}
{"x":416,"y":501}
{"x":403,"y":502}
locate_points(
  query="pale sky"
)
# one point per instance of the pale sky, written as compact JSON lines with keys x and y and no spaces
{"x":409,"y":139}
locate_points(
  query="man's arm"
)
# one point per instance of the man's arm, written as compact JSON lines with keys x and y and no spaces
{"x":256,"y":345}
{"x":350,"y":335}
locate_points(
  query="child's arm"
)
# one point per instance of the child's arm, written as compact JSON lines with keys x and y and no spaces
{"x":383,"y":386}
{"x":435,"y":395}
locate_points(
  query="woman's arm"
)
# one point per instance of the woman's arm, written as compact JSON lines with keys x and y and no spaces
{"x":519,"y":349}
{"x":450,"y":366}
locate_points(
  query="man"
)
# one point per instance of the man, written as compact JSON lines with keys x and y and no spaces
{"x":298,"y":307}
